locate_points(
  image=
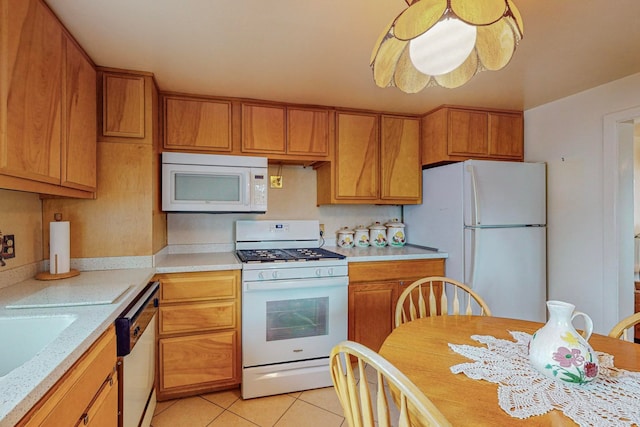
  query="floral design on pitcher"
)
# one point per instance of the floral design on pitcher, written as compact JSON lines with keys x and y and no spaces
{"x":572,"y":365}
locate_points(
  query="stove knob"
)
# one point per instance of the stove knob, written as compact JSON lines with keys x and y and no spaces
{"x":261,"y":276}
{"x":318,"y":272}
{"x":330,"y":271}
{"x":274,"y":274}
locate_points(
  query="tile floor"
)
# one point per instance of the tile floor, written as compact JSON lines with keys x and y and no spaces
{"x":310,"y":408}
{"x":319,"y":407}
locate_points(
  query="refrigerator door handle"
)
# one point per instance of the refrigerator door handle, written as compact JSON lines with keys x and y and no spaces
{"x":475,"y":208}
{"x":470,"y":280}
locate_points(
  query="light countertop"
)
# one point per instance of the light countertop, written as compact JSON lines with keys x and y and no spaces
{"x":21,"y":388}
{"x":206,"y":261}
{"x":387,"y":253}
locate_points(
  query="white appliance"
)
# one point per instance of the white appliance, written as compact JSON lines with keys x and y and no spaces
{"x":213,"y":183}
{"x":490,"y":217}
{"x":136,"y":344}
{"x":294,"y":306}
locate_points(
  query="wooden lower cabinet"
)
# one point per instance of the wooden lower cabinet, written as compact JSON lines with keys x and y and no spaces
{"x":374,"y":288}
{"x":86,"y":395}
{"x":198,"y":333}
{"x":198,"y":361}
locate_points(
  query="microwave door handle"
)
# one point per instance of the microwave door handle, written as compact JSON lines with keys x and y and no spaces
{"x":246,"y":200}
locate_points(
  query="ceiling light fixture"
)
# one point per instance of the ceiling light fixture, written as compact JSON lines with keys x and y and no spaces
{"x":445,"y":43}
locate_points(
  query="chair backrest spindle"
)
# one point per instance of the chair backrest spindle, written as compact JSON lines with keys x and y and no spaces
{"x":414,"y":407}
{"x":445,"y":296}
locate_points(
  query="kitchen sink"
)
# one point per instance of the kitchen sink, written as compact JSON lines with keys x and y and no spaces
{"x":23,"y":337}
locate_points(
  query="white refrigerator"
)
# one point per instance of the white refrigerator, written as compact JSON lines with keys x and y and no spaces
{"x":490,"y":217}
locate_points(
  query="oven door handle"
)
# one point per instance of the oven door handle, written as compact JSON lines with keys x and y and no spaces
{"x":271,"y":285}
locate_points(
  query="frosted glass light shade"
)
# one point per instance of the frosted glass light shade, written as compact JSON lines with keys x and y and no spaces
{"x":443,"y":48}
{"x":398,"y":60}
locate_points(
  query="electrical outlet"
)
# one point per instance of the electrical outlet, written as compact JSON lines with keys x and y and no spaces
{"x":8,"y":246}
{"x":321,"y":230}
{"x":276,"y":181}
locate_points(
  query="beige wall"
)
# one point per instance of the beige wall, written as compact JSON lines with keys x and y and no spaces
{"x":296,"y":200}
{"x":21,"y":215}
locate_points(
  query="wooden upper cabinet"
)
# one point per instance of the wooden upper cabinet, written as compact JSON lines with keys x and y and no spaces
{"x":376,"y":161}
{"x":263,"y":129}
{"x":308,"y":132}
{"x":197,"y":124}
{"x":401,"y":173}
{"x":357,"y":156}
{"x":506,"y":135}
{"x":79,"y":152}
{"x":452,"y":134}
{"x":468,"y":132}
{"x":31,"y":62}
{"x":123,"y":105}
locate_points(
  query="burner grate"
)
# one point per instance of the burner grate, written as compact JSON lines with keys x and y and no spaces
{"x":286,"y":255}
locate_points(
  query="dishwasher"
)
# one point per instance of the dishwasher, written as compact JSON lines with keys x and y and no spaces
{"x":136,"y":338}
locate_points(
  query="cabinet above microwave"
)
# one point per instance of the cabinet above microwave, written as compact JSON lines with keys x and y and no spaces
{"x":213,"y":183}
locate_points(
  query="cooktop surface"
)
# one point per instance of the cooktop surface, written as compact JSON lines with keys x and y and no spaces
{"x":286,"y":255}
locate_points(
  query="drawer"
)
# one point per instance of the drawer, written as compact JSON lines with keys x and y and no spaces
{"x":197,"y":317}
{"x":395,"y":270}
{"x":201,"y":286}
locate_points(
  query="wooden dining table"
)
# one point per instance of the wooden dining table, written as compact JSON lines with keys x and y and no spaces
{"x":420,"y":349}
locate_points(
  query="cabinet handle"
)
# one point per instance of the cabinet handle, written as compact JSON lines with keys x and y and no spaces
{"x":85,"y":419}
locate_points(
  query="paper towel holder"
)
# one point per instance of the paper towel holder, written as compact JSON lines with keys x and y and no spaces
{"x":46,"y":275}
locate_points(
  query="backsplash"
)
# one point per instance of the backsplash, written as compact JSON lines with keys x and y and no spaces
{"x":296,"y":200}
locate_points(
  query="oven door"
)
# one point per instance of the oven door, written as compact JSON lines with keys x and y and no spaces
{"x":292,"y":320}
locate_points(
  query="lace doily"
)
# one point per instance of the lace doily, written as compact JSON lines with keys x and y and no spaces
{"x":610,"y":400}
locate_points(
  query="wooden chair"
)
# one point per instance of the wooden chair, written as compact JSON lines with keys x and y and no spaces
{"x":356,"y":397}
{"x":437,"y":296}
{"x":620,"y":329}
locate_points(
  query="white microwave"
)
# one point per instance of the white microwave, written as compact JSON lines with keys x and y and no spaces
{"x":213,"y":183}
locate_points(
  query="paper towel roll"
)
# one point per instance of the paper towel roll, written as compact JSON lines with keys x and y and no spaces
{"x":59,"y":247}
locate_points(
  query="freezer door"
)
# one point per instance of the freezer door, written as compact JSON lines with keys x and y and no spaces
{"x":507,"y":268}
{"x":504,"y":193}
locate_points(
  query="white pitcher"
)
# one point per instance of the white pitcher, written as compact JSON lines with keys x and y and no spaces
{"x":558,"y":351}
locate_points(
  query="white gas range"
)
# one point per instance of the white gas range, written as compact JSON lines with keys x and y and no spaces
{"x":294,"y":306}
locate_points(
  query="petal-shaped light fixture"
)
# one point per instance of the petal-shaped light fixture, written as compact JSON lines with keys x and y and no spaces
{"x":445,"y":43}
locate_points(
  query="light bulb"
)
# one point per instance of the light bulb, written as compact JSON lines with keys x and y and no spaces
{"x":443,"y":48}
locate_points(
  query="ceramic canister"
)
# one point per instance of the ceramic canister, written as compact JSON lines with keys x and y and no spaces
{"x":395,"y":233}
{"x":362,"y":236}
{"x":558,"y":351}
{"x":378,"y":235}
{"x":345,"y":237}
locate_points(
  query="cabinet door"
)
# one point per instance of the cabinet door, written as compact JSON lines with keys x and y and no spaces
{"x":197,"y":124}
{"x":357,"y":156}
{"x":468,"y":133}
{"x":123,"y":105}
{"x":196,"y":360}
{"x":103,"y":411}
{"x":371,"y":308}
{"x":308,"y":132}
{"x":263,"y":129}
{"x":400,"y":159}
{"x":31,"y":61}
{"x":506,"y":137}
{"x":79,"y":151}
